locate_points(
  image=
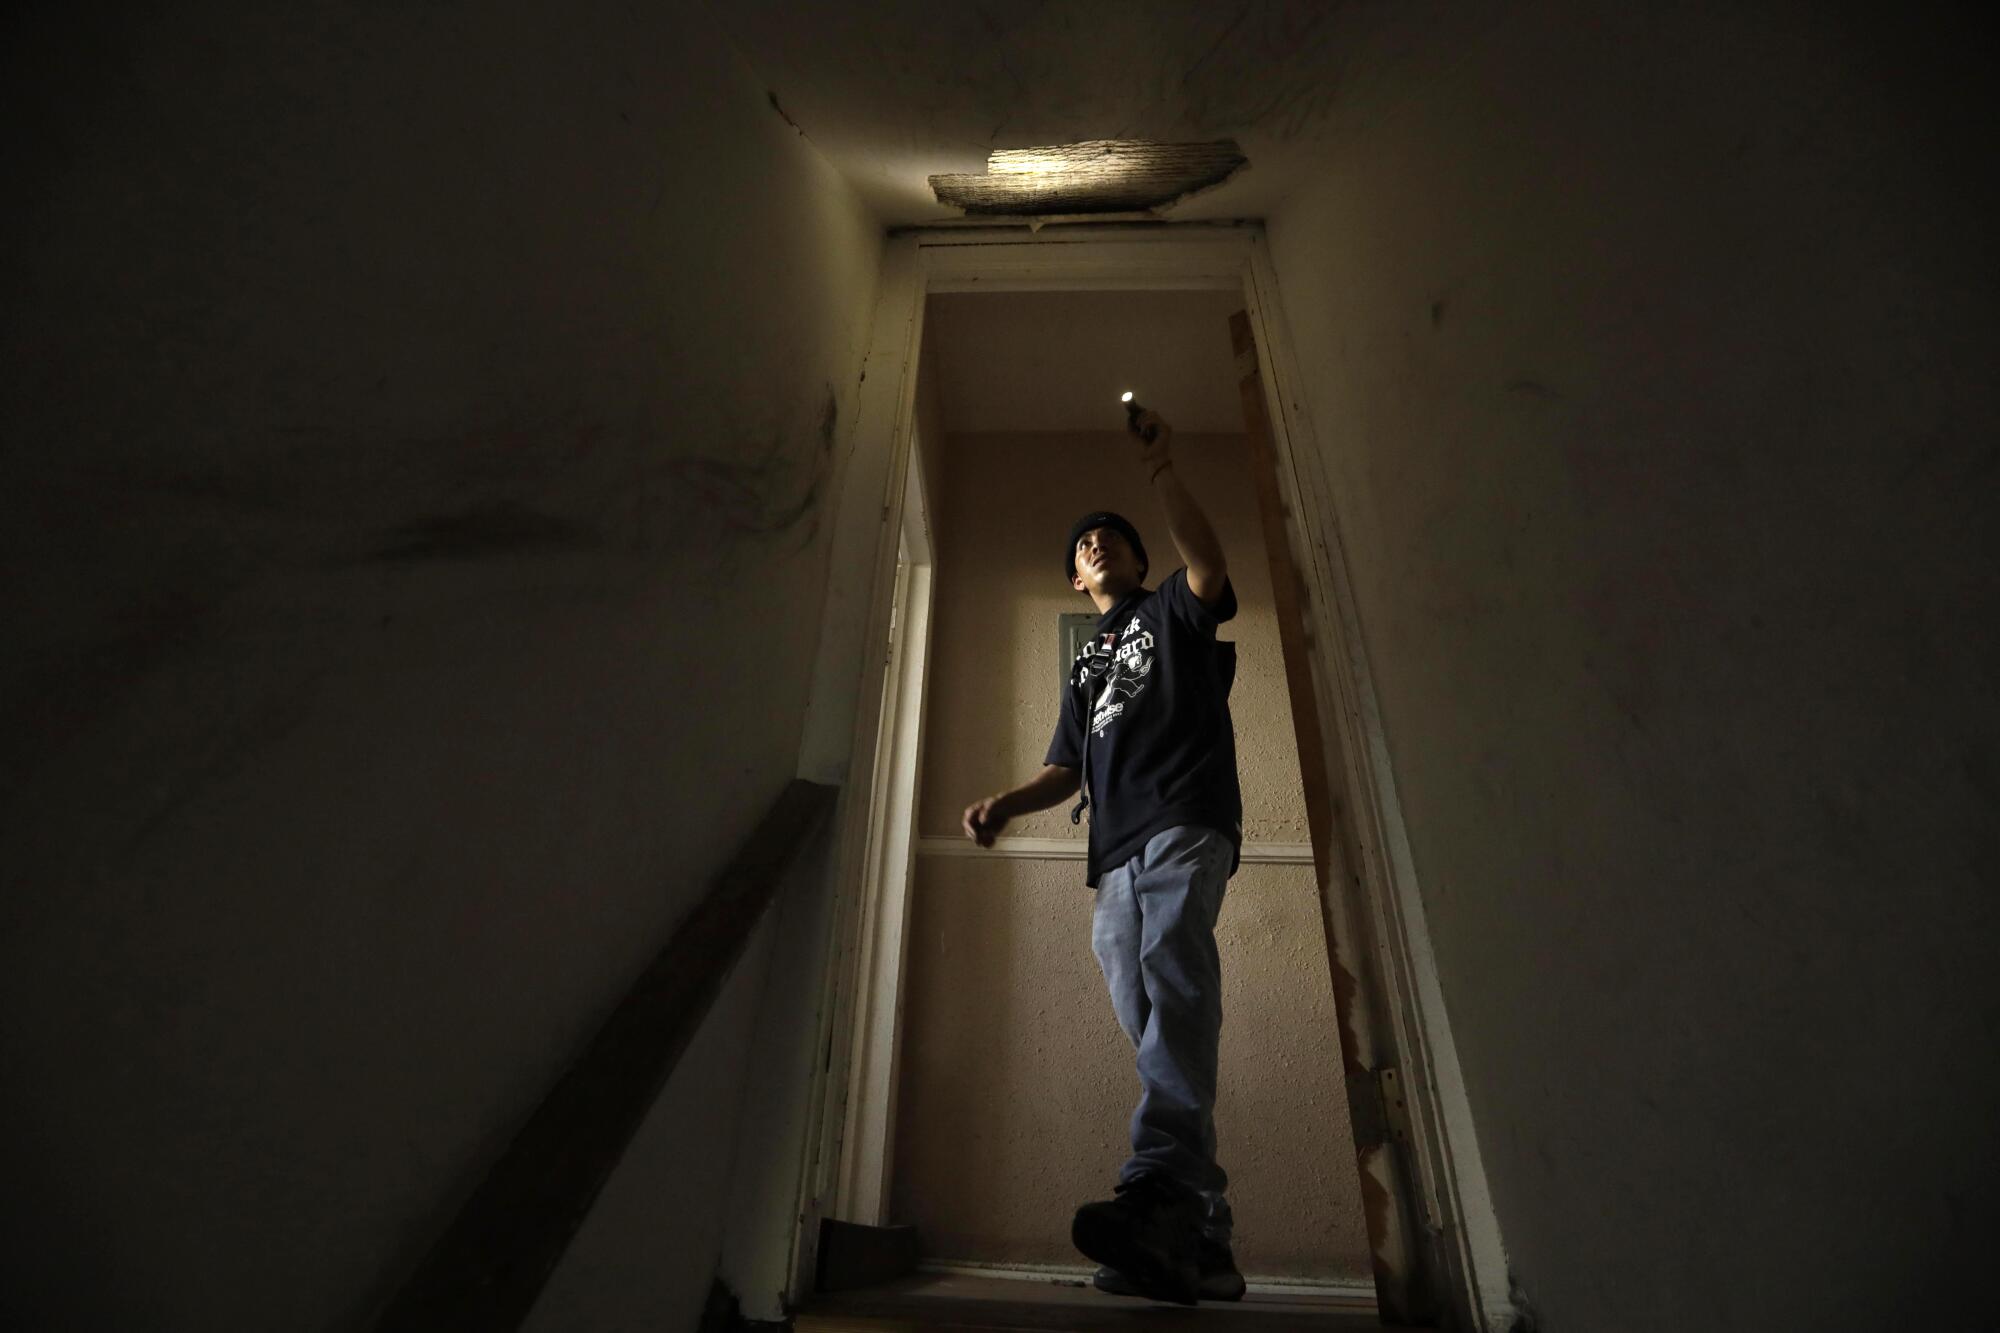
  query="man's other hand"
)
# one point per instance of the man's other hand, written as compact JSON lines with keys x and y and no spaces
{"x":983,"y":821}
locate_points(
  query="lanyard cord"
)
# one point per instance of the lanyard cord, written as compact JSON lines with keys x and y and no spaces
{"x":1083,"y":688}
{"x":1083,"y":798}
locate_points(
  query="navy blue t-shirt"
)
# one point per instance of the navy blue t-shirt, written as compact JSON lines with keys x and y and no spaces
{"x":1145,"y":715}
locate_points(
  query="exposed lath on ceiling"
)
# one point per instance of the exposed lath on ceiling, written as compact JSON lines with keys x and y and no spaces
{"x":1097,"y":176}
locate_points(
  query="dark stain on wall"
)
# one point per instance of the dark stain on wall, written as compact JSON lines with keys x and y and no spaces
{"x":487,"y":530}
{"x":555,"y":492}
{"x":772,"y":94}
{"x":1525,"y":1317}
{"x":829,"y":418}
{"x":776,"y":490}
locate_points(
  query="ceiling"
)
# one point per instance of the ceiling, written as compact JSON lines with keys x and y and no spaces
{"x":895,"y":91}
{"x":1057,"y":361}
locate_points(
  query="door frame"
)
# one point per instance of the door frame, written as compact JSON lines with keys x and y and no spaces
{"x":888,"y":865}
{"x":1390,"y":1006}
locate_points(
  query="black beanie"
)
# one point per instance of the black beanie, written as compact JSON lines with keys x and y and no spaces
{"x":1102,"y":519}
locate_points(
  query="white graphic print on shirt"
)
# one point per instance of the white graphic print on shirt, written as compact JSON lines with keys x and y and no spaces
{"x":1131,"y":656}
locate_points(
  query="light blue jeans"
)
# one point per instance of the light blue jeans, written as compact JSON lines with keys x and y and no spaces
{"x":1153,"y":931}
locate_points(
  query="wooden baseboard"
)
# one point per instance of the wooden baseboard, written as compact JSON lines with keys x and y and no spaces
{"x":1359,"y":1291}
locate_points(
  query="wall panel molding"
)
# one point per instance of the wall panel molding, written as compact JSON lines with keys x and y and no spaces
{"x":1072,"y":849}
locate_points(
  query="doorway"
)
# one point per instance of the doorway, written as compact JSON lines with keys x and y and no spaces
{"x":1016,"y":1083}
{"x":1433,"y":1245}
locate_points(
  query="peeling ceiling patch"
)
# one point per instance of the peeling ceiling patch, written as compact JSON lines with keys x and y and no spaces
{"x":1098,"y":176}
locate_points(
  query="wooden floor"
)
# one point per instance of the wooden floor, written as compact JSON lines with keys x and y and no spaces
{"x":939,"y":1301}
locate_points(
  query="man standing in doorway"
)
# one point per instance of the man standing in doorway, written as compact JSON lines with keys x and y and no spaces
{"x":1144,"y":729}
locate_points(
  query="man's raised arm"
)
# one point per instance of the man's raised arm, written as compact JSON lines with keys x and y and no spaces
{"x":1207,"y":569}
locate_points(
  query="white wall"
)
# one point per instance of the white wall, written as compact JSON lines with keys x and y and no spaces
{"x":1649,"y":351}
{"x":419,"y":423}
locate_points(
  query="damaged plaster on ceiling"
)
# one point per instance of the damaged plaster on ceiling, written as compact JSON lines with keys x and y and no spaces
{"x":895,"y":92}
{"x":1097,"y":176}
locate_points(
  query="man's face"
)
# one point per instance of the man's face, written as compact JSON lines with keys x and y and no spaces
{"x":1106,"y":563}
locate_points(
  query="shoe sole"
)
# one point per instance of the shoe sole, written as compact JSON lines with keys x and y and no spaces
{"x":1152,"y":1273}
{"x":1231,"y":1292}
{"x":1115,"y":1283}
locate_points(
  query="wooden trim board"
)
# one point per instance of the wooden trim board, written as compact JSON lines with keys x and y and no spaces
{"x":1074,"y":849}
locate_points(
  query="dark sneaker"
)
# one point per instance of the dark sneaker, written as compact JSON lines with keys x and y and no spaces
{"x":1219,"y":1280}
{"x":1150,"y":1234}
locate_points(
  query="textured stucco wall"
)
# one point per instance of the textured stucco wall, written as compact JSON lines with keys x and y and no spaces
{"x":419,"y":422}
{"x":1016,"y":1083}
{"x":1650,"y":353}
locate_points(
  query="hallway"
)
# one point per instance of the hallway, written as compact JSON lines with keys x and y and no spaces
{"x":448,"y":454}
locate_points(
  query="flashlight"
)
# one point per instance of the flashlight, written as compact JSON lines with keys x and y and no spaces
{"x":1132,"y":410}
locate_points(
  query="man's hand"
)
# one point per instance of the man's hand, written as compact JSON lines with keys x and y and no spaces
{"x":984,"y":820}
{"x":1156,"y":439}
{"x":1052,"y":786}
